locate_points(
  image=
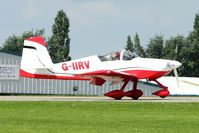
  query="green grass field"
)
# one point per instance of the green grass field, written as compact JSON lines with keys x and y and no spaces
{"x":98,"y":117}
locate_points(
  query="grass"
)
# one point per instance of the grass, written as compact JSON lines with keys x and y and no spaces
{"x":98,"y":117}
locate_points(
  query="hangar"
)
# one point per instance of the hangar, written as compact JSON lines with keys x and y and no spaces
{"x":11,"y":83}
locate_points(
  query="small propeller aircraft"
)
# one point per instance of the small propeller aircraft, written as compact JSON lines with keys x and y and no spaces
{"x":123,"y":66}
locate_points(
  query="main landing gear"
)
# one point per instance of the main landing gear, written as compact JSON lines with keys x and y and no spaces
{"x":119,"y":94}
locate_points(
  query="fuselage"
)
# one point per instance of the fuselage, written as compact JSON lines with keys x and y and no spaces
{"x":143,"y":68}
{"x":36,"y":63}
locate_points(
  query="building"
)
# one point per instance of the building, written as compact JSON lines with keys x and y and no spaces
{"x":11,"y":83}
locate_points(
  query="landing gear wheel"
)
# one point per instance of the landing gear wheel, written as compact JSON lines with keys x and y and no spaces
{"x":162,"y":93}
{"x":118,"y":98}
{"x":116,"y":94}
{"x":134,"y":94}
{"x":135,"y":98}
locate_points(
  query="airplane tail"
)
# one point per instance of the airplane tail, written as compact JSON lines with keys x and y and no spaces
{"x":35,"y":58}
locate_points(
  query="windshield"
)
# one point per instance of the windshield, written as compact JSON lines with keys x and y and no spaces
{"x":128,"y":55}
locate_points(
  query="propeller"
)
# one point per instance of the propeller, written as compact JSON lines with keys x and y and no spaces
{"x":177,"y":77}
{"x":174,"y":65}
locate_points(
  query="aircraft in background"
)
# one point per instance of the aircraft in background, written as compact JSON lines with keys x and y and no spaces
{"x":123,"y":66}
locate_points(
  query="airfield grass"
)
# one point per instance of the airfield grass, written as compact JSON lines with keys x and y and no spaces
{"x":98,"y":117}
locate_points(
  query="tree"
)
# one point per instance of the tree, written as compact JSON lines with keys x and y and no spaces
{"x":194,"y":35}
{"x":138,"y":48}
{"x":196,"y":24}
{"x":190,"y":54}
{"x":59,"y":42}
{"x":129,"y":44}
{"x":173,"y":47}
{"x":173,"y":50}
{"x":155,"y":47}
{"x":15,"y":43}
{"x":190,"y":60}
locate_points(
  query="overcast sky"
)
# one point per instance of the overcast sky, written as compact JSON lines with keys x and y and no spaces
{"x":100,"y":26}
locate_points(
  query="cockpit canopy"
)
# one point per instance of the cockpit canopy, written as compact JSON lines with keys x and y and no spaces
{"x":123,"y":55}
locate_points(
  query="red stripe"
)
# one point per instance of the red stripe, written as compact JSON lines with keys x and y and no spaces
{"x":29,"y":75}
{"x":145,"y":74}
{"x":38,"y":39}
{"x":140,"y":74}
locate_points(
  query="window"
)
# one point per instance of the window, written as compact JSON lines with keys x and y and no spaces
{"x":112,"y":56}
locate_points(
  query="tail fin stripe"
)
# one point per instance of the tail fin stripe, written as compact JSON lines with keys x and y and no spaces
{"x":37,"y":40}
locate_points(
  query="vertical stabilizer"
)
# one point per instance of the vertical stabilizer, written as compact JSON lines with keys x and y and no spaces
{"x":35,"y":57}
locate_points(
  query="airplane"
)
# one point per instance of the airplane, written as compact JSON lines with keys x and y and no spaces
{"x":123,"y":66}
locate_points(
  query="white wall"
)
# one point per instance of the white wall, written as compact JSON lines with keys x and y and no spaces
{"x":187,"y":85}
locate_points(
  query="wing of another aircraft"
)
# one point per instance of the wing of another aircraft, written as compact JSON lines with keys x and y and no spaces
{"x":99,"y":77}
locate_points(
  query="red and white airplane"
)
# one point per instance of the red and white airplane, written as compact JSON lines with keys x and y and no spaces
{"x":123,"y":66}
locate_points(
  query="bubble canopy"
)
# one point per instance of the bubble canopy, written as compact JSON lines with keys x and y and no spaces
{"x":115,"y":55}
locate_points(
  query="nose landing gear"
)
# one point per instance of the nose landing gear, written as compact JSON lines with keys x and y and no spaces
{"x":161,"y":93}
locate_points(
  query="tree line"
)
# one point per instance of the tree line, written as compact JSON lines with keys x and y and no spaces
{"x":58,"y":44}
{"x":181,"y":48}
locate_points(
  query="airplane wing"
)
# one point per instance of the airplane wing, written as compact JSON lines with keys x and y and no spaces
{"x":99,"y":77}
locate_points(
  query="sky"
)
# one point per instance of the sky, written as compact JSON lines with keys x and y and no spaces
{"x":100,"y":26}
